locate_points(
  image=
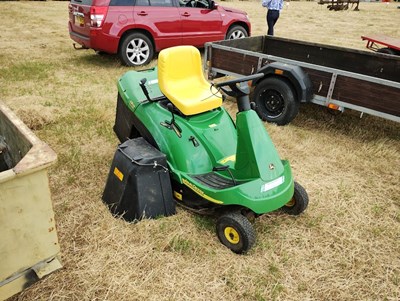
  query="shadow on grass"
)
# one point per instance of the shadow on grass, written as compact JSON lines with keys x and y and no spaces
{"x":349,"y":123}
{"x":108,"y":61}
{"x":204,"y":222}
{"x":103,"y":60}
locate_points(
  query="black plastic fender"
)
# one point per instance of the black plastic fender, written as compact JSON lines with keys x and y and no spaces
{"x":294,"y":74}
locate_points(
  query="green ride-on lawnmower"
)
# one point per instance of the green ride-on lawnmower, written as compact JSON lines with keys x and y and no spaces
{"x":230,"y":170}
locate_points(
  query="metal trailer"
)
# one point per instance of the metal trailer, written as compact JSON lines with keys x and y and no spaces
{"x":391,"y":45}
{"x":298,"y":71}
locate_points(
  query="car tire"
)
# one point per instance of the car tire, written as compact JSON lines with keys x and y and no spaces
{"x":136,"y":50}
{"x":236,"y":32}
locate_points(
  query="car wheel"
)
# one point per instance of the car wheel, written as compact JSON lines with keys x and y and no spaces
{"x":235,"y":232}
{"x":136,"y":50}
{"x":236,"y":32}
{"x":275,"y":100}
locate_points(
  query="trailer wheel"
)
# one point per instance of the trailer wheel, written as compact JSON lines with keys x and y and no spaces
{"x":276,"y":101}
{"x":235,"y":232}
{"x":387,"y":51}
{"x":299,"y":201}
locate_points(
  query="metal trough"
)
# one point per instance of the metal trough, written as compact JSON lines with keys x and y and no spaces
{"x":29,"y":245}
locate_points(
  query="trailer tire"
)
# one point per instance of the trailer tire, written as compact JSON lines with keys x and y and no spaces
{"x":276,"y":100}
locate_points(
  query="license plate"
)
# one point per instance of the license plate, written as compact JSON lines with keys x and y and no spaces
{"x":79,"y":20}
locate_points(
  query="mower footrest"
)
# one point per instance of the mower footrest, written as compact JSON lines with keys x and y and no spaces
{"x":214,"y":180}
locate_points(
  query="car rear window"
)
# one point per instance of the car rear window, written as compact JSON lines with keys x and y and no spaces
{"x":83,"y":2}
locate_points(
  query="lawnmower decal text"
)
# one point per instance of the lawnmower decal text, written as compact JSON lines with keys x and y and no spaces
{"x":118,"y":174}
{"x":229,"y":158}
{"x":200,"y":192}
{"x":272,"y":184}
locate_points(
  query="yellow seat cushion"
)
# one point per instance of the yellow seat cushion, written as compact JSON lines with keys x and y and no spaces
{"x":181,"y":80}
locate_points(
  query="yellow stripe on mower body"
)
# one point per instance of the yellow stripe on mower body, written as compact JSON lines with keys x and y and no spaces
{"x":200,"y":192}
{"x":231,"y":158}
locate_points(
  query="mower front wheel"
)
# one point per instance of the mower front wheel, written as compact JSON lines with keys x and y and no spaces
{"x":298,"y":202}
{"x":235,"y":232}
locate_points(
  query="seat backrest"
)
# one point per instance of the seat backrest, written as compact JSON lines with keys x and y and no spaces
{"x":181,"y":80}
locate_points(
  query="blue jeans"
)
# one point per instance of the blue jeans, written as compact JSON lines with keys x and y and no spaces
{"x":272,"y":17}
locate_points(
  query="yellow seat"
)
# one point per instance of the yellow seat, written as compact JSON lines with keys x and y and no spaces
{"x":181,"y":80}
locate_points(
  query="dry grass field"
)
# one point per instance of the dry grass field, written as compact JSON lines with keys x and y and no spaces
{"x":346,"y":246}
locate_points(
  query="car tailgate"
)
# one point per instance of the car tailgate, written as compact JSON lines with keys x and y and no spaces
{"x":79,"y":16}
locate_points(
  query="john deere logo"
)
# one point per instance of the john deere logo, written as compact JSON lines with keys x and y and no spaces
{"x":271,"y":166}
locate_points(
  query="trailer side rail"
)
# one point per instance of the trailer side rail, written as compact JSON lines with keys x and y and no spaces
{"x":271,"y":58}
{"x":258,"y":60}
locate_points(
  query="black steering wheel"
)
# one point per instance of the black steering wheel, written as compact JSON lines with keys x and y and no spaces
{"x":240,"y":92}
{"x":239,"y":80}
{"x":197,"y":3}
{"x":234,"y":89}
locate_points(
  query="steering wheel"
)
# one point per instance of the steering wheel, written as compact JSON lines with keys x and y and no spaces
{"x":197,"y":3}
{"x":191,"y":3}
{"x":235,"y":90}
{"x":235,"y":81}
{"x":240,"y":92}
{"x":202,"y":4}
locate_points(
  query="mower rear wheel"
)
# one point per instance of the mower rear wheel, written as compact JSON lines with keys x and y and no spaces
{"x":235,"y":232}
{"x":299,"y":201}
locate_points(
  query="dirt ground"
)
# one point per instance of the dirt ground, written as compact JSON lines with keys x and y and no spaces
{"x":344,"y":247}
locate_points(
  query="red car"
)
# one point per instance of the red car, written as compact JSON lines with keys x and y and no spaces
{"x":137,"y":29}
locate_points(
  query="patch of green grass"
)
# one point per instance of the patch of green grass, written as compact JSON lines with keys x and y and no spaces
{"x":100,"y":60}
{"x":395,"y":278}
{"x":314,"y":222}
{"x":181,"y":245}
{"x":27,"y":71}
{"x":276,"y":290}
{"x":204,"y":223}
{"x":378,"y":210}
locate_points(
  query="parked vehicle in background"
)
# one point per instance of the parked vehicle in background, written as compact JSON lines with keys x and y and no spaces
{"x":383,"y":44}
{"x":137,"y":29}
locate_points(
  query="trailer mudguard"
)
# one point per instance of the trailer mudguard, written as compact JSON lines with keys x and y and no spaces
{"x":295,"y":74}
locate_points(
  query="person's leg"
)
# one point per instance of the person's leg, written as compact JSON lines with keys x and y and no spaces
{"x":272,"y":17}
